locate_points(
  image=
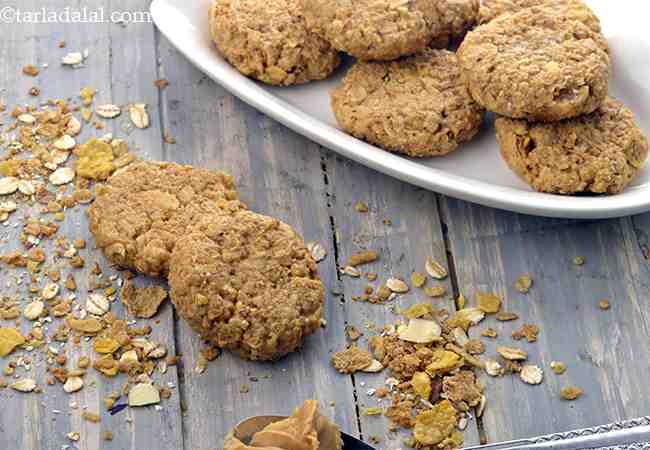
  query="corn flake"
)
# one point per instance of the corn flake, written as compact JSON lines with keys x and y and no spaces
{"x":95,"y":160}
{"x":444,"y":361}
{"x":10,"y":338}
{"x":435,"y":425}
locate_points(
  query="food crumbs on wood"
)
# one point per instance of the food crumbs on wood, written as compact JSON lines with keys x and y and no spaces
{"x":604,"y":304}
{"x":361,"y":207}
{"x":570,"y":393}
{"x":488,"y":303}
{"x":142,"y":302}
{"x":523,"y":284}
{"x":578,"y":261}
{"x":361,"y":258}
{"x":558,"y":367}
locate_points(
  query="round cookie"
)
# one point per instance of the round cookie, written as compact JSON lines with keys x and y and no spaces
{"x":572,"y":9}
{"x":457,"y":17}
{"x":140,"y":212}
{"x":598,"y":153}
{"x":418,"y":105}
{"x":536,"y":65}
{"x":374,"y":29}
{"x":247,"y":283}
{"x":268,"y":40}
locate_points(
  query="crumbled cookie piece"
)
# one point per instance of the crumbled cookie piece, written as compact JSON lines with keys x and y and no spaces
{"x":142,"y":302}
{"x":352,"y":359}
{"x":571,"y":393}
{"x":528,"y":331}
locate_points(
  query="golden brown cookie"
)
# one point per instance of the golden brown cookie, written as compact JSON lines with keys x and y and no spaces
{"x":536,"y":65}
{"x":418,"y":105}
{"x":247,"y":283}
{"x":457,"y":17}
{"x":143,"y":209}
{"x":572,"y":9}
{"x":599,"y":153}
{"x":374,"y":29}
{"x":268,"y":40}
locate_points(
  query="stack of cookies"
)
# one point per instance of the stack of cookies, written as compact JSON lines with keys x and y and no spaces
{"x":244,"y":281}
{"x":542,"y":66}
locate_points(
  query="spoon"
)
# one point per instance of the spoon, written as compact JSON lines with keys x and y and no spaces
{"x":245,"y":430}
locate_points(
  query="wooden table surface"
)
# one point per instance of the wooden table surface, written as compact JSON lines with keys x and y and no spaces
{"x":285,"y":175}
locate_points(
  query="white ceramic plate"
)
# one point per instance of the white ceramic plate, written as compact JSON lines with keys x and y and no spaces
{"x":475,"y":172}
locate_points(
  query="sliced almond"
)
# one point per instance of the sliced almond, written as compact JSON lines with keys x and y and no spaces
{"x":59,"y":157}
{"x":72,"y":59}
{"x":493,"y":368}
{"x":435,"y":269}
{"x":34,"y":310}
{"x":73,"y":127}
{"x":396,"y":285}
{"x":26,"y":118}
{"x":73,"y":384}
{"x":351,"y":271}
{"x":65,"y":142}
{"x":61,"y":176}
{"x":8,"y":185}
{"x":420,"y":331}
{"x":108,"y":111}
{"x":139,"y":115}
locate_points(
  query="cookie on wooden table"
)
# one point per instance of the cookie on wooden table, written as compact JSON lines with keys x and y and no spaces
{"x":418,"y":106}
{"x":247,"y":283}
{"x":268,"y":40}
{"x":374,"y":29}
{"x":536,"y":65}
{"x":598,"y":153}
{"x":143,"y":209}
{"x":572,"y":9}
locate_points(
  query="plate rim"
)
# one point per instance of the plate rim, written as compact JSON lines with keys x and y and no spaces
{"x":632,"y":201}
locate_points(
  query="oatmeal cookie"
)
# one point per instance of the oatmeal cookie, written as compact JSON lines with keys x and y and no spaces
{"x":140,"y":213}
{"x":457,"y":17}
{"x":247,"y":283}
{"x":268,"y":40}
{"x":572,"y":9}
{"x":536,"y":65}
{"x":598,"y":153}
{"x":374,"y":29}
{"x":418,"y":106}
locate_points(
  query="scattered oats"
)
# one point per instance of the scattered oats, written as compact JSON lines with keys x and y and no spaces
{"x":494,"y":368}
{"x":512,"y":354}
{"x":73,"y":384}
{"x":138,"y":115}
{"x":349,"y":270}
{"x":24,"y":385}
{"x":481,"y":406}
{"x":143,"y":394}
{"x":435,"y":291}
{"x":418,"y":279}
{"x":8,"y":185}
{"x":523,"y":284}
{"x":571,"y":393}
{"x":26,"y":187}
{"x":462,"y":423}
{"x":73,"y":436}
{"x":31,"y":70}
{"x":27,"y":119}
{"x":435,"y":269}
{"x":604,"y":304}
{"x":62,"y":175}
{"x":396,"y":285}
{"x":361,"y":207}
{"x":50,"y":291}
{"x":364,"y":257}
{"x":97,"y":304}
{"x":419,"y":331}
{"x":460,"y":336}
{"x":34,"y":310}
{"x":108,"y":111}
{"x":73,"y":127}
{"x":506,"y":316}
{"x":72,"y":59}
{"x":578,"y":261}
{"x":317,"y":251}
{"x":65,"y":142}
{"x":8,"y":206}
{"x":531,"y":374}
{"x":558,"y":367}
{"x":375,"y":366}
